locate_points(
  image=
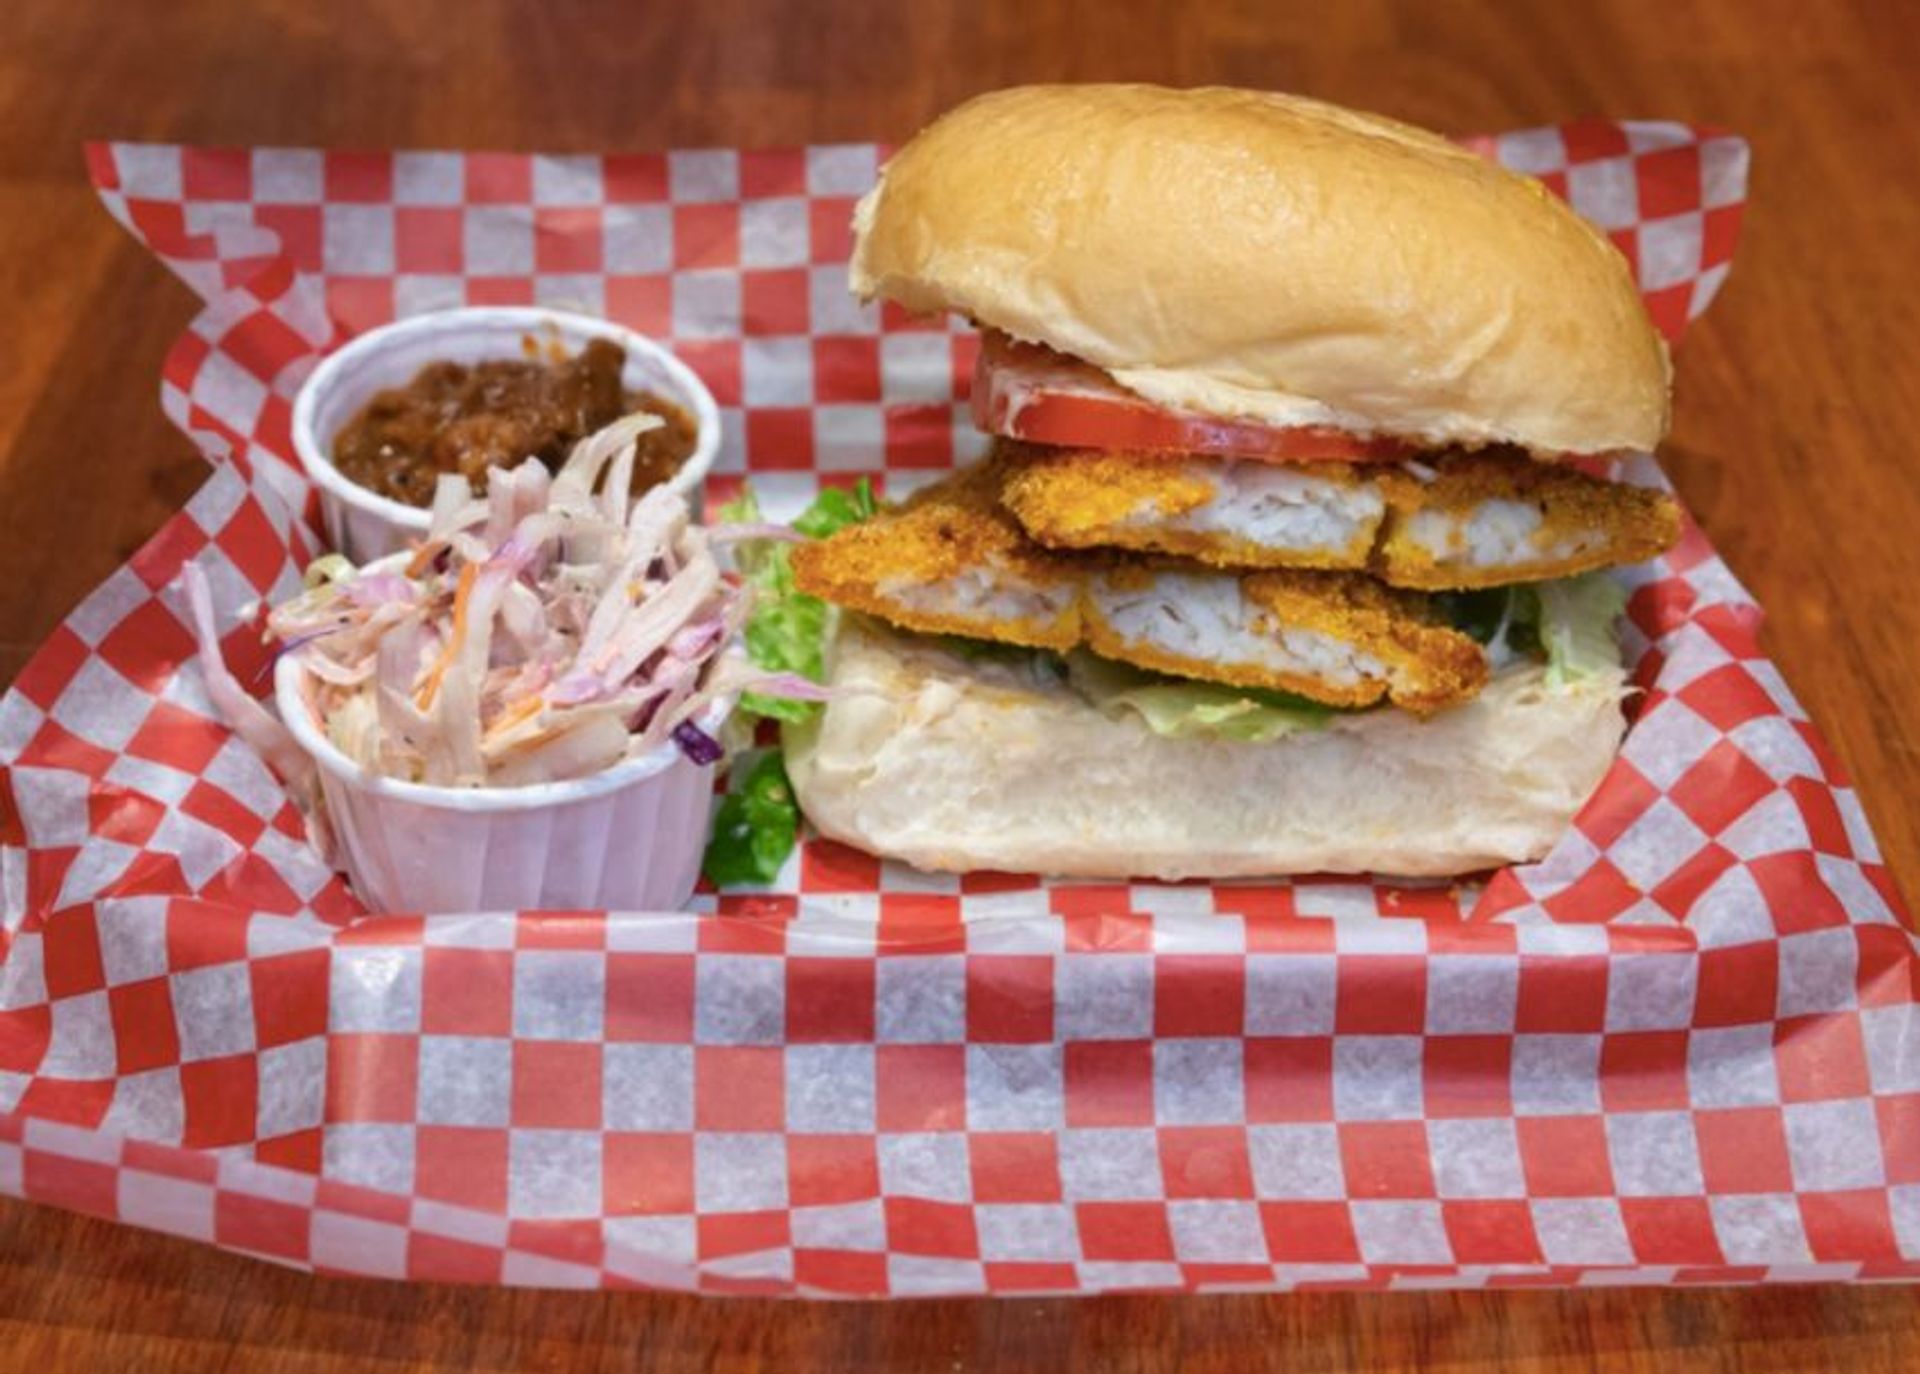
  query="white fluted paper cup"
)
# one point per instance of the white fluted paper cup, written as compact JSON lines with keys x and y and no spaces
{"x":364,"y":525}
{"x":628,"y":838}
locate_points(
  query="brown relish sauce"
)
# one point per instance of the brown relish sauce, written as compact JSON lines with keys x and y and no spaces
{"x":453,"y":417}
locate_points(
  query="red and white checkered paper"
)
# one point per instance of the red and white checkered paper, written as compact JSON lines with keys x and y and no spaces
{"x":1682,"y":1048}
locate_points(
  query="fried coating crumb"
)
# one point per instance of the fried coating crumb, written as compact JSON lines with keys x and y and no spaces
{"x":1497,"y":517}
{"x":1432,"y":664}
{"x":1322,"y":515}
{"x":1356,"y":642}
{"x":1072,"y":497}
{"x":1486,"y":519}
{"x":951,"y":561}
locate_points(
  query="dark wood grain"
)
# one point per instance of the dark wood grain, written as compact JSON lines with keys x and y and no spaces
{"x":1797,"y":404}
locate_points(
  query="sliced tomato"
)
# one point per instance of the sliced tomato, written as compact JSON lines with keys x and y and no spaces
{"x":1025,"y":391}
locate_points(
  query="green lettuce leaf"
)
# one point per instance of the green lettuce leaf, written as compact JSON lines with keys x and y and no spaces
{"x":756,"y":824}
{"x":1576,"y":626}
{"x":1174,"y":706}
{"x":1568,"y":622}
{"x":787,"y":630}
{"x":834,"y":509}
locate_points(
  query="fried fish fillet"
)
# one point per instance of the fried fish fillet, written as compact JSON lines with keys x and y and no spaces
{"x":1471,"y":520}
{"x":1488,"y":519}
{"x":952,"y":561}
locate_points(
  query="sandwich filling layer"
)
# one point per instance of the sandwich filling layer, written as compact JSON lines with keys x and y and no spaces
{"x":1462,"y":521}
{"x":953,"y":561}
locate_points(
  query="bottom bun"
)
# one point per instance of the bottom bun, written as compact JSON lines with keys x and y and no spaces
{"x":951,"y":763}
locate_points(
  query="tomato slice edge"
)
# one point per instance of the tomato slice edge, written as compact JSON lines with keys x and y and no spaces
{"x":1024,"y":391}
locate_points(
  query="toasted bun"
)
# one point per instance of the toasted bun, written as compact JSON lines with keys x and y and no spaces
{"x":1255,"y":255}
{"x":956,"y":765}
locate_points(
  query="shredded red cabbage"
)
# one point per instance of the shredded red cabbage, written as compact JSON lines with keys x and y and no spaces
{"x":542,"y":632}
{"x":696,"y":743}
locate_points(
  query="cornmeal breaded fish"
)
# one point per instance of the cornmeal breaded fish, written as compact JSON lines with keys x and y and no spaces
{"x":953,"y":561}
{"x":1339,"y":638}
{"x":1470,"y":520}
{"x":950,"y":561}
{"x":1488,"y":519}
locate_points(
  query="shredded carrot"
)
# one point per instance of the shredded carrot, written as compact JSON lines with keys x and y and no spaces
{"x":461,"y":596}
{"x":514,"y":715}
{"x":423,"y":557}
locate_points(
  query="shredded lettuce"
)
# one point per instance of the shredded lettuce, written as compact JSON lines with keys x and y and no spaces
{"x":787,"y":630}
{"x":1173,"y":706}
{"x":1575,"y":626}
{"x":1169,"y":705}
{"x":1568,"y":622}
{"x":756,"y":824}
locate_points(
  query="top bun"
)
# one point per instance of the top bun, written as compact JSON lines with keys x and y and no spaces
{"x":1247,"y":254}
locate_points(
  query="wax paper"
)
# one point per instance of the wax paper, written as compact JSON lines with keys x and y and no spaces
{"x":1681,"y":1048}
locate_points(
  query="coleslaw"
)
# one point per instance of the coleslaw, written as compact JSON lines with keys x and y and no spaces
{"x":541,"y":632}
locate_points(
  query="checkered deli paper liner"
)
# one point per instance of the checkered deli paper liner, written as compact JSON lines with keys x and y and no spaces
{"x":1682,"y":1048}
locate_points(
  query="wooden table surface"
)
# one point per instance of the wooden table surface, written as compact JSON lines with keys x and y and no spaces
{"x":1797,"y":403}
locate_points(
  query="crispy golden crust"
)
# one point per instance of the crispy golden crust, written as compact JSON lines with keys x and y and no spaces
{"x":1433,"y":664}
{"x":1090,"y":498}
{"x":1636,"y":523}
{"x":953,"y":533}
{"x":1106,"y":641}
{"x":1429,"y":665}
{"x":1071,"y":497}
{"x":942,"y":533}
{"x":1084,"y":499}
